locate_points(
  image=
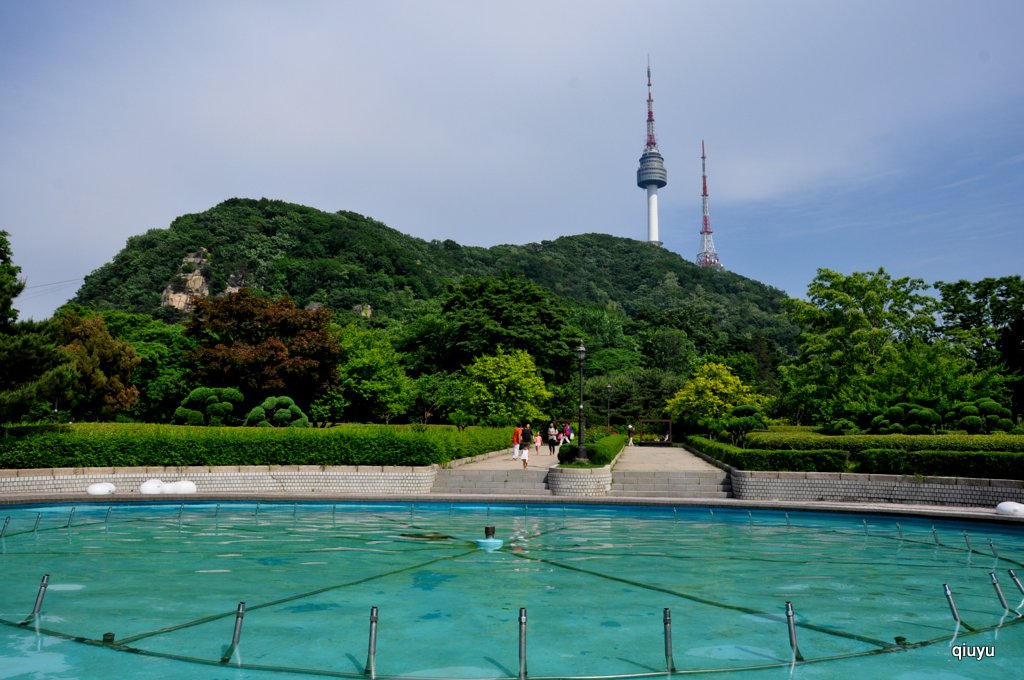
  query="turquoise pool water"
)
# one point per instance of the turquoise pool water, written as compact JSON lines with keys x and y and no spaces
{"x":594,"y":580}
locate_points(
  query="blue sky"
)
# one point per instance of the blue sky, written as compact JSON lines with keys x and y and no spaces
{"x":847,"y":135}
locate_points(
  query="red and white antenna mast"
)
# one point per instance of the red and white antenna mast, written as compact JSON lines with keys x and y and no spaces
{"x":707,"y":257}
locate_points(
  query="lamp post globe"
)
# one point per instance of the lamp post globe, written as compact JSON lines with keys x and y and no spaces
{"x":581,"y":450}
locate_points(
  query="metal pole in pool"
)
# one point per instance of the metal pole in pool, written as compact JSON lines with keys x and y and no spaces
{"x":371,"y":655}
{"x":797,"y":656}
{"x":952,"y":605}
{"x":239,"y":615}
{"x":39,"y":600}
{"x":522,"y":643}
{"x":35,"y":526}
{"x":999,"y":592}
{"x":7,"y":520}
{"x":1016,"y":580}
{"x":669,"y":663}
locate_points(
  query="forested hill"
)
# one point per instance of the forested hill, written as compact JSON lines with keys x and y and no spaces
{"x":343,"y":260}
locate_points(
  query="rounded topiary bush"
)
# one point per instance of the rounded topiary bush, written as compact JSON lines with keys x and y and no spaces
{"x":209,"y":406}
{"x":277,"y":412}
{"x":972,"y":424}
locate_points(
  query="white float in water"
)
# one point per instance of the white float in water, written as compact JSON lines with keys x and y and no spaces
{"x":1010,"y":508}
{"x":100,"y":489}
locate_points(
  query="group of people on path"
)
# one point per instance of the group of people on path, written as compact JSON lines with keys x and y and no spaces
{"x":524,"y":437}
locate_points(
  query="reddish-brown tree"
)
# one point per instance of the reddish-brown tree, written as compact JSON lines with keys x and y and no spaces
{"x":263,"y":347}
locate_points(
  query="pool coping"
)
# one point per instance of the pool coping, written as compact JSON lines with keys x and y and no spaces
{"x":934,"y":511}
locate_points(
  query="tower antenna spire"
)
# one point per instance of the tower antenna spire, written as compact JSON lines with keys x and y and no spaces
{"x":651,"y":175}
{"x":652,"y":142}
{"x":708,"y":257}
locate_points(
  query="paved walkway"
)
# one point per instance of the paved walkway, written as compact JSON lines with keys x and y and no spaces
{"x":632,"y":458}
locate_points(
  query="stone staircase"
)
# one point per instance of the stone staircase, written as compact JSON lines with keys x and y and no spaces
{"x":680,"y":484}
{"x":503,"y":482}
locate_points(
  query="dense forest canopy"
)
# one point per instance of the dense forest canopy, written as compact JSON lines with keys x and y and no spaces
{"x":357,"y":321}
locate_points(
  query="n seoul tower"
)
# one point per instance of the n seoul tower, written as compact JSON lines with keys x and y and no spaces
{"x":651,"y":174}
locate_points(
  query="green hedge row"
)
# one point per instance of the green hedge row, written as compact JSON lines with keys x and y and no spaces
{"x":812,"y":441}
{"x":984,"y":464}
{"x":981,"y":464}
{"x":133,"y":445}
{"x":822,"y":460}
{"x":600,"y":451}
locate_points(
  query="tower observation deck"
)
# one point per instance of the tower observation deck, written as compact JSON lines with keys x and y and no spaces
{"x":651,"y":175}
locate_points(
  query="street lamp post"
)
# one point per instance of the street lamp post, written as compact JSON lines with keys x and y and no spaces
{"x":581,"y":450}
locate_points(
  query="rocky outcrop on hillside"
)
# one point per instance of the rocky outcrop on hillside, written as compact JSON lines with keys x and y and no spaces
{"x":189,"y":283}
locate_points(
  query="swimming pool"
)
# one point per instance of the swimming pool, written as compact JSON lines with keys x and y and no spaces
{"x":594,"y":581}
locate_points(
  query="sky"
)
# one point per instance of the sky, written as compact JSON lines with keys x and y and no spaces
{"x":847,"y":135}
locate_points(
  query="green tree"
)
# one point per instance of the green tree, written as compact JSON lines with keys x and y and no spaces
{"x":35,"y":373}
{"x":505,"y":388}
{"x":987,"y":318}
{"x":329,"y":408}
{"x":104,"y":365}
{"x":708,"y":395}
{"x":480,"y":314}
{"x":438,"y":394}
{"x":263,"y":346}
{"x":10,"y":283}
{"x":372,"y":377}
{"x":162,"y":373}
{"x":742,"y":420}
{"x":852,"y":326}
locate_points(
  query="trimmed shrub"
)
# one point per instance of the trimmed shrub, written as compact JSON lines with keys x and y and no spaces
{"x":938,"y":463}
{"x":135,"y":445}
{"x":971,"y":424}
{"x":208,"y":406}
{"x":276,"y":412}
{"x":600,"y":450}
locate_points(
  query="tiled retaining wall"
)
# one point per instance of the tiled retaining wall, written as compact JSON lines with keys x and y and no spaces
{"x":248,"y":479}
{"x":580,"y":481}
{"x":837,"y":486}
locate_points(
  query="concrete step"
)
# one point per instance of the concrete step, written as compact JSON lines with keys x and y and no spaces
{"x":493,"y":492}
{"x":518,"y":482}
{"x":651,"y":484}
{"x":660,"y":494}
{"x":656,"y":487}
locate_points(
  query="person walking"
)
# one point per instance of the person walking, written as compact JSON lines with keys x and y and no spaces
{"x":537,"y":439}
{"x":526,"y":437}
{"x":517,"y":440}
{"x":552,"y":438}
{"x":629,"y":431}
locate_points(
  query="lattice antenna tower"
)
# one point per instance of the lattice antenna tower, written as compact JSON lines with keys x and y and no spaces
{"x":651,"y":175}
{"x":708,"y":256}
